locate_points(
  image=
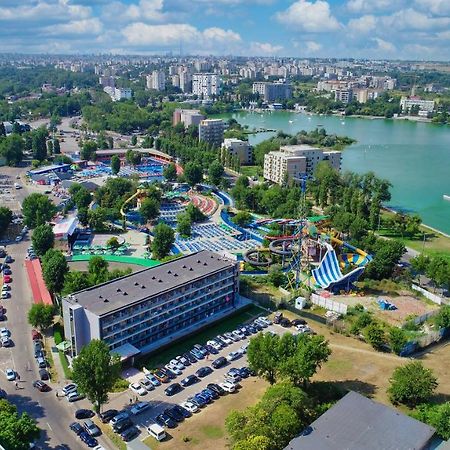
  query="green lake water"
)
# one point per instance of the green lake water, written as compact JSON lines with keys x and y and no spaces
{"x":413,"y":156}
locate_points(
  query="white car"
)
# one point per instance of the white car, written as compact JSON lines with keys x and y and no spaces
{"x":215,"y":345}
{"x":243,"y":348}
{"x":183,"y":361}
{"x":137,"y":388}
{"x":232,"y":381}
{"x":233,"y":355}
{"x":266,"y":320}
{"x":4,"y":332}
{"x":238,"y":334}
{"x":146,"y":384}
{"x":10,"y":374}
{"x":139,"y":407}
{"x":178,"y":364}
{"x":72,"y":387}
{"x":303,"y":329}
{"x":226,"y":339}
{"x":6,"y":287}
{"x":173,"y":369}
{"x":227,"y":387}
{"x":191,"y":407}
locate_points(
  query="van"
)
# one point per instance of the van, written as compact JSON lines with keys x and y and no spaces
{"x":156,"y":431}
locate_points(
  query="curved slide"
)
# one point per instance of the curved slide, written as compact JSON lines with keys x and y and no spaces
{"x":329,"y":276}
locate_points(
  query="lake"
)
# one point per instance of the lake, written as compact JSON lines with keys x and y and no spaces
{"x":413,"y":156}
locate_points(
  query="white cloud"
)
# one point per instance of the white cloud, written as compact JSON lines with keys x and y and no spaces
{"x":371,"y":6}
{"x":363,"y":24}
{"x":410,"y":19}
{"x":313,"y":47}
{"x":265,"y":49}
{"x":75,"y":27}
{"x":312,"y":17}
{"x":384,"y":46}
{"x":437,"y":7}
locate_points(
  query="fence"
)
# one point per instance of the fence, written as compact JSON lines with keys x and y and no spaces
{"x":429,"y":295}
{"x":329,"y":304}
{"x":424,"y":341}
{"x":420,"y":319}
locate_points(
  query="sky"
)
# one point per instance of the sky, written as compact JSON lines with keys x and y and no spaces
{"x":377,"y":29}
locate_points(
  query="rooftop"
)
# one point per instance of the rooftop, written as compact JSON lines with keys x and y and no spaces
{"x":108,"y":297}
{"x":356,"y":422}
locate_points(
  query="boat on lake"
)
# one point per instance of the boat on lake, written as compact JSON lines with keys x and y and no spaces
{"x":446,"y":197}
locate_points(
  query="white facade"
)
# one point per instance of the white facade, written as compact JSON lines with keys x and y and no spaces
{"x":406,"y":103}
{"x":239,"y":148}
{"x":296,"y":161}
{"x":206,"y":84}
{"x":156,"y":81}
{"x":118,"y":94}
{"x":187,"y":117}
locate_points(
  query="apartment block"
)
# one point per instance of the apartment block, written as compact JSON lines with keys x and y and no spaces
{"x":294,"y":162}
{"x":187,"y":117}
{"x":206,"y":84}
{"x":211,"y":131}
{"x":406,"y":103}
{"x":242,"y":149}
{"x":118,"y":94}
{"x":142,"y":311}
{"x":157,"y":80}
{"x":343,"y":95}
{"x":270,"y":92}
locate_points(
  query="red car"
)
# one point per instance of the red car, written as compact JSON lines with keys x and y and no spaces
{"x":7,"y":279}
{"x":35,"y":335}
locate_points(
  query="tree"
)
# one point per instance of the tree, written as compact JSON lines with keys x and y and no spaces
{"x":88,"y":150}
{"x":242,"y":218}
{"x":37,"y":209}
{"x":80,"y":195}
{"x":54,"y":269}
{"x":170,"y":172}
{"x":5,"y":219}
{"x":387,"y":255}
{"x":442,"y":319}
{"x":194,"y":213}
{"x":95,"y":371}
{"x":56,"y":147}
{"x":133,"y":140}
{"x":163,"y":240}
{"x":41,"y":316}
{"x":412,"y":384}
{"x":436,"y":416}
{"x":374,"y":335}
{"x":96,"y":219}
{"x":43,"y":239}
{"x":149,"y":209}
{"x":263,"y":357}
{"x":83,"y":216}
{"x":215,"y":172}
{"x":98,"y":269}
{"x":184,"y":224}
{"x":193,"y":173}
{"x":11,"y":148}
{"x":16,"y":430}
{"x":276,"y":276}
{"x":50,"y":147}
{"x":75,"y":281}
{"x":38,"y":145}
{"x":2,"y":129}
{"x":115,"y":165}
{"x":397,"y":339}
{"x":113,"y":243}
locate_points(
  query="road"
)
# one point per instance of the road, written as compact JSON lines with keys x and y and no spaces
{"x":52,"y":414}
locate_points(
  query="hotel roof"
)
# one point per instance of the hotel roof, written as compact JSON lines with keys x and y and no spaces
{"x":125,"y":291}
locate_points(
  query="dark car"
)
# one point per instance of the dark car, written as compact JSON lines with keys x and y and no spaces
{"x":206,"y":398}
{"x":203,"y":371}
{"x":296,"y":322}
{"x":76,"y":428}
{"x":209,"y":392}
{"x":9,"y":259}
{"x":2,"y":394}
{"x":286,"y":323}
{"x":122,"y":425}
{"x":107,"y":415}
{"x":199,"y":400}
{"x":211,"y":349}
{"x":43,"y":373}
{"x":243,"y":372}
{"x":191,"y":358}
{"x":197,"y":354}
{"x":169,"y":373}
{"x":219,"y":362}
{"x":165,"y":421}
{"x":88,"y":439}
{"x":41,"y":386}
{"x":189,"y":380}
{"x":173,"y":389}
{"x":84,"y":414}
{"x":7,"y":272}
{"x":129,"y":433}
{"x":183,"y":411}
{"x":258,"y":326}
{"x":216,"y":388}
{"x":278,"y":317}
{"x":174,"y":414}
{"x":251,"y":329}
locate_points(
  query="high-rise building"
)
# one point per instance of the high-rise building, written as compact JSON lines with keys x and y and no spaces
{"x":157,"y":80}
{"x":242,"y":149}
{"x":211,"y":131}
{"x":293,"y":162}
{"x":343,"y":95}
{"x":185,"y":82}
{"x":187,"y":117}
{"x":270,"y":92}
{"x":206,"y":84}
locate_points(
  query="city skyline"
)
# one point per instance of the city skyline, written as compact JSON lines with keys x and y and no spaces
{"x":414,"y":30}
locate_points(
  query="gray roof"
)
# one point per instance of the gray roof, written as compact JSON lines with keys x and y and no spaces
{"x":148,"y":282}
{"x":356,"y":422}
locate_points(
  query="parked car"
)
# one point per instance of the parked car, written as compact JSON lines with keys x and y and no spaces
{"x":234,"y":374}
{"x":145,"y":383}
{"x":191,"y":358}
{"x":76,"y":428}
{"x":169,"y":373}
{"x":174,"y":414}
{"x":4,"y":332}
{"x":88,"y":439}
{"x":75,"y":396}
{"x":10,"y":374}
{"x":238,"y":335}
{"x":43,"y":374}
{"x":173,"y":389}
{"x":203,"y":371}
{"x":84,"y":414}
{"x":219,"y":362}
{"x":213,"y":395}
{"x":41,"y":386}
{"x":243,"y":348}
{"x":130,"y":433}
{"x":201,"y":349}
{"x":211,"y":349}
{"x":286,"y":323}
{"x":183,"y":360}
{"x":226,"y":340}
{"x":6,"y":342}
{"x":137,"y":389}
{"x":183,"y":411}
{"x":7,"y":272}
{"x":233,"y":356}
{"x":296,"y":322}
{"x":161,"y":376}
{"x":6,"y":287}
{"x":233,"y":381}
{"x":7,"y":279}
{"x":122,"y":425}
{"x":91,"y":428}
{"x":150,"y":377}
{"x":196,"y":354}
{"x":244,"y":372}
{"x":277,"y":318}
{"x":72,"y":387}
{"x":173,"y":369}
{"x":216,"y":388}
{"x":201,"y":400}
{"x":189,"y":380}
{"x":122,"y":415}
{"x":227,"y":387}
{"x":140,"y":407}
{"x":165,"y":421}
{"x":178,"y":364}
{"x":41,"y":362}
{"x":35,"y":335}
{"x":5,"y":294}
{"x":191,"y":407}
{"x":107,"y":415}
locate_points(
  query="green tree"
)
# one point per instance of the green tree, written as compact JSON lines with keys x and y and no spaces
{"x":39,"y":146}
{"x":133,"y":140}
{"x":215,"y":173}
{"x":75,"y":281}
{"x":41,"y":316}
{"x":442,"y":319}
{"x":276,"y":276}
{"x":193,"y":173}
{"x":194,"y":213}
{"x":54,"y":270}
{"x":43,"y":239}
{"x":436,"y":416}
{"x":80,"y":195}
{"x":5,"y":219}
{"x":374,"y":335}
{"x":11,"y":148}
{"x":83,"y":216}
{"x":184,"y":224}
{"x":56,"y":147}
{"x":50,"y":147}
{"x":262,"y":356}
{"x":88,"y":150}
{"x":387,"y":255}
{"x":397,"y":339}
{"x":170,"y":172}
{"x":96,"y":219}
{"x":149,"y":209}
{"x":95,"y":371}
{"x":37,"y":209}
{"x":242,"y":218}
{"x":16,"y":430}
{"x":163,"y":239}
{"x":113,"y":243}
{"x":98,"y":269}
{"x":412,"y":384}
{"x":115,"y":165}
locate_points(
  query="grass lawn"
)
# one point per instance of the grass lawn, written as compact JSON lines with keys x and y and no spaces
{"x":114,"y":438}
{"x":205,"y":430}
{"x":186,"y":344}
{"x":249,"y":171}
{"x":65,"y":365}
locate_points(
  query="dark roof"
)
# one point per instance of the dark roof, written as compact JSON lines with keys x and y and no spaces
{"x":148,"y":282}
{"x":358,"y":423}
